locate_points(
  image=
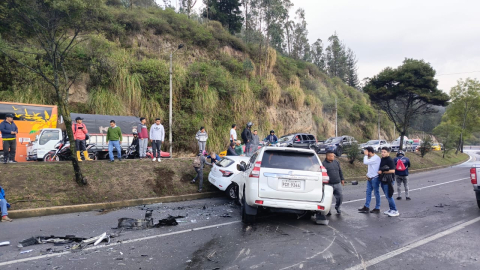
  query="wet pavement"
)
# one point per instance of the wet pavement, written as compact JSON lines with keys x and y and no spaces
{"x":437,"y":229}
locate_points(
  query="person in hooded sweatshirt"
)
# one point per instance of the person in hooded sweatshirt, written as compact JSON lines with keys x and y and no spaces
{"x":142,"y":131}
{"x":157,"y":136}
{"x":9,"y":134}
{"x":202,"y":138}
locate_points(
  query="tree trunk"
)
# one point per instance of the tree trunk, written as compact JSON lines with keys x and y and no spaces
{"x":68,"y":126}
{"x":402,"y":134}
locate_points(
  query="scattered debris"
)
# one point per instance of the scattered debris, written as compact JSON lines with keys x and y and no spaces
{"x":193,"y":221}
{"x":189,"y":261}
{"x":226,"y":215}
{"x":441,"y":205}
{"x":354,"y":183}
{"x":56,"y":240}
{"x":89,"y":241}
{"x":26,"y":251}
{"x":169,"y":221}
{"x":6,"y":243}
{"x":147,"y":222}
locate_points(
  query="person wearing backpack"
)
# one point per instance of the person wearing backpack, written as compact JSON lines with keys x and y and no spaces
{"x":80,"y":134}
{"x":402,"y":163}
{"x":198,"y":164}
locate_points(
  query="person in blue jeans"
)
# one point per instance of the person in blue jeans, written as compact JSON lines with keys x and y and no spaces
{"x":114,"y":139}
{"x":373,"y":183}
{"x":387,"y":180}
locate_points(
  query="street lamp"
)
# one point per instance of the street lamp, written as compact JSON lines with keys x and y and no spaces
{"x":170,"y":104}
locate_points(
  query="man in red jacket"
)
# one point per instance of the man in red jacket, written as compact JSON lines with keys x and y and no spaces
{"x":79,"y":132}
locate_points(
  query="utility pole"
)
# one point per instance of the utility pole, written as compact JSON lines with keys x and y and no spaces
{"x":336,"y":118}
{"x":394,"y":137}
{"x":378,"y":112}
{"x":170,"y":101}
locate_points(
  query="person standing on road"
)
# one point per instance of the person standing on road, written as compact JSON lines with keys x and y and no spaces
{"x":387,"y":181}
{"x":373,"y":182}
{"x":9,"y":136}
{"x":247,"y":137}
{"x":233,"y":133}
{"x":255,"y":142}
{"x":114,"y":139}
{"x":198,"y":164}
{"x":79,"y":135}
{"x":157,"y":136}
{"x":402,"y":164}
{"x":142,"y":131}
{"x":4,"y":206}
{"x":335,"y":175}
{"x":202,"y":137}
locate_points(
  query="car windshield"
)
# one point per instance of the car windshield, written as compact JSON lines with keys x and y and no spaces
{"x":435,"y":144}
{"x":373,"y":142}
{"x":289,"y":160}
{"x":395,"y":143}
{"x":49,"y":135}
{"x":224,"y":162}
{"x":285,"y":138}
{"x":333,"y":140}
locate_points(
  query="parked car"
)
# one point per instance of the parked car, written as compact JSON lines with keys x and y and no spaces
{"x":283,"y":179}
{"x":474,"y":171}
{"x":395,"y":145}
{"x":377,"y":145}
{"x":223,"y":172}
{"x":412,"y":145}
{"x":336,"y":144}
{"x":437,"y":147}
{"x":298,"y":140}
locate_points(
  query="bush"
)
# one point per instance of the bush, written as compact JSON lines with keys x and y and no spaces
{"x":426,"y":146}
{"x":353,"y":153}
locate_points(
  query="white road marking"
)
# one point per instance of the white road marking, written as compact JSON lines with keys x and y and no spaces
{"x":448,"y":182}
{"x":119,"y":243}
{"x":413,"y":245}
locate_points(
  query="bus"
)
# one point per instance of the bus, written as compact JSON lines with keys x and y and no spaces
{"x":30,"y":120}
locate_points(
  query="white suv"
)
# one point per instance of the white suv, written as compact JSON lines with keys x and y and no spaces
{"x":283,"y":179}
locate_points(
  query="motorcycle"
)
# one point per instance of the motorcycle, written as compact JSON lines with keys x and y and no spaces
{"x":63,"y":153}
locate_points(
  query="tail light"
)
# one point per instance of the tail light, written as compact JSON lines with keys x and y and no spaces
{"x":258,"y":202}
{"x":325,"y":177}
{"x":226,"y":173}
{"x":256,"y":170}
{"x":319,"y":207}
{"x":473,"y":175}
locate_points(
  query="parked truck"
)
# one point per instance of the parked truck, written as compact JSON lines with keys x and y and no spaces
{"x":474,"y":172}
{"x":30,"y":119}
{"x":97,"y":126}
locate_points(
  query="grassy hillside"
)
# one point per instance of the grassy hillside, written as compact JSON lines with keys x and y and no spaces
{"x":218,"y":80}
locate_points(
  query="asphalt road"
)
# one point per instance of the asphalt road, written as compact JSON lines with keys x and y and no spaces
{"x":437,"y":229}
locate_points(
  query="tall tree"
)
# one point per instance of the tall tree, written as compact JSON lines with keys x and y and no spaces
{"x":446,"y":134}
{"x":227,"y":12}
{"x":53,"y":28}
{"x":318,"y":57}
{"x":300,"y":40}
{"x":336,"y":57}
{"x":351,"y":77}
{"x":406,"y":92}
{"x":187,"y":6}
{"x":465,"y":108}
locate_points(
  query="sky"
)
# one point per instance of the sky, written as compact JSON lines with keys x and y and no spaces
{"x":382,"y":33}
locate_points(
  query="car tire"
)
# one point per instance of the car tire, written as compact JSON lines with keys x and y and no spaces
{"x":478,"y":203}
{"x":339,"y":152}
{"x":313,"y":147}
{"x":246,"y":218}
{"x":231,"y":192}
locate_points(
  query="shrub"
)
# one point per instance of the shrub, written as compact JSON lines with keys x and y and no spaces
{"x":426,"y":146}
{"x":296,"y":94}
{"x":353,"y":153}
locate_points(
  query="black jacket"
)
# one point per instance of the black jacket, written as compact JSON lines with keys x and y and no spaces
{"x":231,"y":152}
{"x":334,"y":171}
{"x":247,"y":135}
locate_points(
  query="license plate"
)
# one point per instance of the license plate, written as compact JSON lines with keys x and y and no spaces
{"x":292,"y":184}
{"x":323,"y":149}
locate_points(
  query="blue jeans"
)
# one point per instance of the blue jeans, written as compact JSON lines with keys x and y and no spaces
{"x":391,"y":202}
{"x":373,"y":185}
{"x":115,"y":144}
{"x":3,"y":205}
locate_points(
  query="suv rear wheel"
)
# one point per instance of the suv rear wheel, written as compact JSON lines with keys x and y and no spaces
{"x":339,"y":152}
{"x":246,"y":218}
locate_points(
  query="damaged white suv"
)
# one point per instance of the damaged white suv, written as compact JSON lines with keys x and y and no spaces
{"x":284,"y":179}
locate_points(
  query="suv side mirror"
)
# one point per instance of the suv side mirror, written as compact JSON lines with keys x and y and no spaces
{"x":240,"y":168}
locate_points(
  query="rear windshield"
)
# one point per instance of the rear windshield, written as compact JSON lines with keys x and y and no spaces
{"x":224,"y":162}
{"x":290,"y":161}
{"x":285,"y":138}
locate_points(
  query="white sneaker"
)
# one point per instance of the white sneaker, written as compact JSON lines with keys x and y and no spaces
{"x":159,"y":160}
{"x":387,"y":212}
{"x":393,"y":213}
{"x":154,"y":159}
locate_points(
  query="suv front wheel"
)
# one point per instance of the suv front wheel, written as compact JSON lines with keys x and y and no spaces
{"x":246,"y":218}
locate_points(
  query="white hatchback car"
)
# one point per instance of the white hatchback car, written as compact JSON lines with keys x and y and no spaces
{"x":223,"y":172}
{"x":283,"y":179}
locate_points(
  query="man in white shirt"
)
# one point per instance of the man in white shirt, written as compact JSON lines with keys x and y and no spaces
{"x":373,"y":183}
{"x":233,"y":133}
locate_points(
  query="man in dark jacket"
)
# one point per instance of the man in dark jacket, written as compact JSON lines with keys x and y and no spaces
{"x":387,"y":185}
{"x":199,"y":171}
{"x":401,"y":175}
{"x":247,"y":137}
{"x":231,"y":150}
{"x":9,"y":136}
{"x":335,"y":174}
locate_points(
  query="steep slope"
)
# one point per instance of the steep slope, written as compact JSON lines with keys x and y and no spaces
{"x":217,"y":80}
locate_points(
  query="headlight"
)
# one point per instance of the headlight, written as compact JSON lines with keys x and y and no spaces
{"x":34,"y":152}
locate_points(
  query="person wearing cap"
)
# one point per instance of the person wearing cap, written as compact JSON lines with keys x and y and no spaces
{"x":9,"y":135}
{"x":142,"y":131}
{"x":79,"y":134}
{"x":401,"y":174}
{"x":337,"y":180}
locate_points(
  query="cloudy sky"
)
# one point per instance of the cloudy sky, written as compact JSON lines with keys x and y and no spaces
{"x":382,"y":33}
